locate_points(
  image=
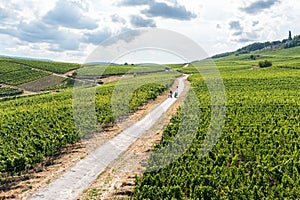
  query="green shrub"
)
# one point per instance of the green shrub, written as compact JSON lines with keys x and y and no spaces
{"x":265,"y":63}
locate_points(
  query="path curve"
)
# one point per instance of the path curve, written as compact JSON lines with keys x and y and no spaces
{"x":72,"y":183}
{"x":186,"y":65}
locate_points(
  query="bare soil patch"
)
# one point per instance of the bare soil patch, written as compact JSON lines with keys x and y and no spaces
{"x":115,"y":78}
{"x":42,"y":83}
{"x":69,"y":73}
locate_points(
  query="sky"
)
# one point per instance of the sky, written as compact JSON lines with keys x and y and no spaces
{"x":70,"y":30}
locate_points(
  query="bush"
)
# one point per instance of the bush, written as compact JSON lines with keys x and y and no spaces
{"x":265,"y":63}
{"x":252,"y":57}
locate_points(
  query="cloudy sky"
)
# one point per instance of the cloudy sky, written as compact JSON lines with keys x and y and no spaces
{"x":69,"y":30}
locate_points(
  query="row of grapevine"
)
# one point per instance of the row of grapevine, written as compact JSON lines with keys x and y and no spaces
{"x":36,"y":127}
{"x":16,"y":74}
{"x":258,"y":153}
{"x":114,"y":69}
{"x":56,"y":67}
{"x":4,"y":91}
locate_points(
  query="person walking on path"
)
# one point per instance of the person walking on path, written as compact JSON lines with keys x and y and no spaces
{"x":176,"y":92}
{"x":170,"y":94}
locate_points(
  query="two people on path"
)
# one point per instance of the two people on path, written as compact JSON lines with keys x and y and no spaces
{"x":175,"y":94}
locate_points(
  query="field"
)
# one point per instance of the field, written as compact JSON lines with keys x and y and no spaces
{"x":42,"y":83}
{"x":106,"y":70}
{"x":37,"y":127}
{"x":14,"y":71}
{"x":56,"y":67}
{"x":283,"y":58}
{"x":16,"y":74}
{"x":257,"y":155}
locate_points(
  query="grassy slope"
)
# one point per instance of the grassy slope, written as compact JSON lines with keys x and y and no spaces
{"x":56,"y":67}
{"x":107,"y":70}
{"x":289,"y":58}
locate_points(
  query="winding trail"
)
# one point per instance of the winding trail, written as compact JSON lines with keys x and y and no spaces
{"x":72,"y":183}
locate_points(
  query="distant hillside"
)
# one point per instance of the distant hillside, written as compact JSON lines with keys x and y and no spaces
{"x":31,"y":75}
{"x":284,"y":44}
{"x":50,"y":66}
{"x":26,"y":58}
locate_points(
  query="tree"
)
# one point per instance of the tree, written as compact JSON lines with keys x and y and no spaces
{"x":290,"y":35}
{"x":265,"y":63}
{"x":252,"y":57}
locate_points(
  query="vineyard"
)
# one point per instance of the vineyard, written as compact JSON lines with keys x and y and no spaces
{"x":283,"y":58}
{"x":258,"y":153}
{"x":16,"y":74}
{"x":32,"y":75}
{"x":37,"y":127}
{"x":56,"y":67}
{"x":114,"y":69}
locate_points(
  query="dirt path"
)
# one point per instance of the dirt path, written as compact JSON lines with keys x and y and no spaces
{"x":186,"y":65}
{"x":115,"y":78}
{"x":65,"y":75}
{"x":69,"y":73}
{"x":117,"y":181}
{"x":71,"y":184}
{"x":22,"y":186}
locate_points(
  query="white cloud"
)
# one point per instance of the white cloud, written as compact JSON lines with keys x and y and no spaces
{"x":178,"y":12}
{"x":71,"y":15}
{"x":69,"y":30}
{"x":98,"y":36}
{"x":138,"y":21}
{"x":117,"y":19}
{"x":259,"y":6}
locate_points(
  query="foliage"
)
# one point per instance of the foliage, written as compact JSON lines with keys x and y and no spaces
{"x":100,"y":71}
{"x":221,"y":55}
{"x":252,"y":47}
{"x":56,"y":67}
{"x":254,"y":57}
{"x":285,"y":43}
{"x":4,"y":91}
{"x":257,"y":155}
{"x":175,"y":66}
{"x":265,"y":63}
{"x":281,"y":58}
{"x":36,"y":127}
{"x":293,"y":43}
{"x":67,"y":83}
{"x":15,"y":74}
